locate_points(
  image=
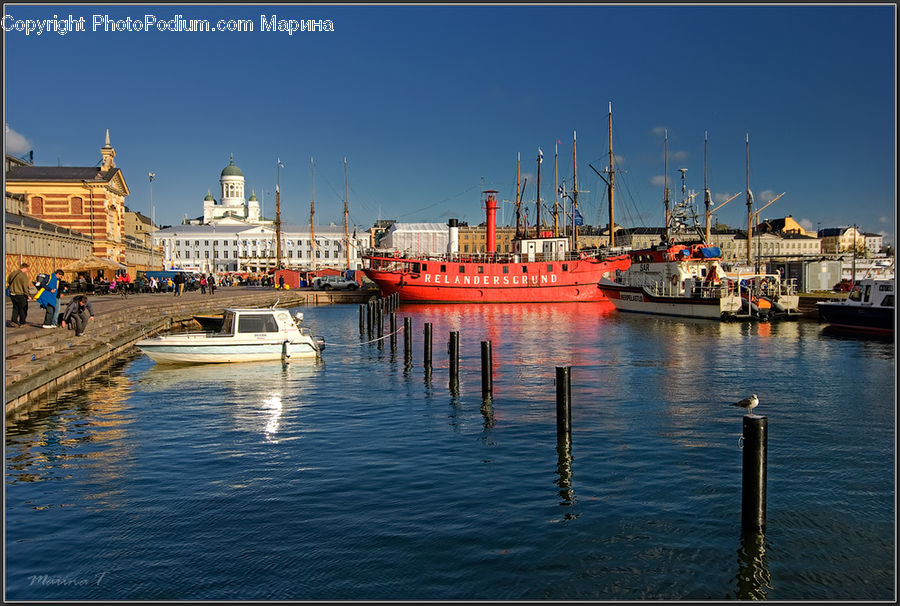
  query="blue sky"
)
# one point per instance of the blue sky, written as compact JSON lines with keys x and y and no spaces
{"x":431,"y":104}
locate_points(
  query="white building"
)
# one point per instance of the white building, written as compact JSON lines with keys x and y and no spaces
{"x":232,"y":202}
{"x":230,"y":245}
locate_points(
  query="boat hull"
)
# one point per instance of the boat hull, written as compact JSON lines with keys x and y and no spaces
{"x":467,"y":282}
{"x":638,"y":299}
{"x":171,"y":350}
{"x":857,"y":318}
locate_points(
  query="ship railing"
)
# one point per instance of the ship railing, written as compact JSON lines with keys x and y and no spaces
{"x":483,"y":257}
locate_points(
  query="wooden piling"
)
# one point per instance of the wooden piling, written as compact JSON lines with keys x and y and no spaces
{"x":427,"y":349}
{"x":453,"y":351}
{"x":407,"y":340}
{"x":487,"y":370}
{"x":393,"y":331}
{"x":362,"y":318}
{"x":563,"y":400}
{"x":753,"y":489}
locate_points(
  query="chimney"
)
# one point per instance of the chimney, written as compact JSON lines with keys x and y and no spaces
{"x":490,"y":209}
{"x":453,"y":243}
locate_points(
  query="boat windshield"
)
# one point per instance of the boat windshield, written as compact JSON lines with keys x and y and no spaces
{"x":257,"y":323}
{"x":228,"y":324}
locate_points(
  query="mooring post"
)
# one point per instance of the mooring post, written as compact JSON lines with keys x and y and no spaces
{"x":380,"y":320}
{"x":427,"y":354}
{"x":487,"y":370}
{"x":370,"y":318}
{"x":407,"y":340}
{"x":362,"y":318}
{"x":563,"y":400}
{"x":753,"y":489}
{"x":393,"y":331}
{"x":453,"y":350}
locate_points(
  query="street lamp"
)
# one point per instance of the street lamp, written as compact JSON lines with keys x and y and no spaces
{"x":152,"y":176}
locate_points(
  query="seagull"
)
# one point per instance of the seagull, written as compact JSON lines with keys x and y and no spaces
{"x":748,"y":403}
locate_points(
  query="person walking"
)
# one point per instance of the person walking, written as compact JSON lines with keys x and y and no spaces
{"x":179,"y":284}
{"x":80,"y":312}
{"x":48,"y":297}
{"x":17,"y":283}
{"x":202,"y":284}
{"x":212,"y":284}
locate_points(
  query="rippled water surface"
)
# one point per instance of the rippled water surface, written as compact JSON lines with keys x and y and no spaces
{"x":361,"y":478}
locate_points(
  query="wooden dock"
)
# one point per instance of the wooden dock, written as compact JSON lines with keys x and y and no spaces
{"x":39,"y":361}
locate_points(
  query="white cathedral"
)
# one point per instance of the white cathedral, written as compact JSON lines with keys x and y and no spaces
{"x":232,"y":204}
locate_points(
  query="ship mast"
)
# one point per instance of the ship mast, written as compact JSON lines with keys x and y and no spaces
{"x":312,"y":212}
{"x":749,"y":202}
{"x":537,"y":222}
{"x":278,"y":216}
{"x":666,"y":189}
{"x":556,"y":196}
{"x":575,"y":191}
{"x":346,"y":214}
{"x":707,"y":197}
{"x":518,"y":199}
{"x":609,"y":184}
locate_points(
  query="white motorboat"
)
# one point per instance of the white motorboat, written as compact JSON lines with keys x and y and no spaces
{"x":247,"y":335}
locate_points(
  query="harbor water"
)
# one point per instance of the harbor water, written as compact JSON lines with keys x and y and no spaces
{"x":359,"y":477}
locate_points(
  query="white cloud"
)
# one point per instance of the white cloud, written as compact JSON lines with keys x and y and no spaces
{"x":658,"y":130}
{"x":658,"y":181}
{"x":680,"y":156}
{"x":721,"y":197}
{"x":885,"y":219}
{"x":806,"y":224}
{"x":765,"y":196}
{"x":16,"y":143}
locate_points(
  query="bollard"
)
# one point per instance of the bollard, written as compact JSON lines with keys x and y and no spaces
{"x":393,"y":331}
{"x":453,"y":350}
{"x":362,"y":318}
{"x":487,"y":370}
{"x":407,"y":340}
{"x":563,"y":400}
{"x":370,"y":319}
{"x":753,"y":489}
{"x":427,"y":353}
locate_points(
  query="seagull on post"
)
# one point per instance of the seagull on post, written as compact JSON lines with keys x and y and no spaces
{"x":748,"y":403}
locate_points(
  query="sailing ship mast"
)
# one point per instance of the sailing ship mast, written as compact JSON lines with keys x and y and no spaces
{"x":278,"y":216}
{"x":537,"y":222}
{"x":575,"y":191}
{"x":556,"y":196}
{"x":609,"y":184}
{"x":312,"y":212}
{"x":666,"y":189}
{"x":346,"y":214}
{"x":749,"y":203}
{"x":518,"y":199}
{"x":707,"y":198}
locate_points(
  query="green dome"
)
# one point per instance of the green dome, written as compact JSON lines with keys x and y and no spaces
{"x":253,"y":198}
{"x":209,"y":198}
{"x":231,"y":170}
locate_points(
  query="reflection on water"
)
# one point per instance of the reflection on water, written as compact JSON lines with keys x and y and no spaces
{"x":753,"y":578}
{"x":350,"y":478}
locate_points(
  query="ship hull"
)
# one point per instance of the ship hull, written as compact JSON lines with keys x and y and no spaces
{"x":442,"y":281}
{"x":857,"y":318}
{"x":637,"y":299}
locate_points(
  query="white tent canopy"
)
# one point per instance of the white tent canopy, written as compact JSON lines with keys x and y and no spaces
{"x":418,"y":238}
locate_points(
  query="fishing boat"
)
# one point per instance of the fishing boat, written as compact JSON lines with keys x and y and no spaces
{"x":542,"y":266}
{"x":246,"y":335}
{"x":685,"y":276}
{"x":868,"y":309}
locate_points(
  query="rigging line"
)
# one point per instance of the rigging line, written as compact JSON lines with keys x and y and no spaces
{"x":364,"y":342}
{"x":440,"y":201}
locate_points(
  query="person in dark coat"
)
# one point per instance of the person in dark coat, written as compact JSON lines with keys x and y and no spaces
{"x":80,"y":312}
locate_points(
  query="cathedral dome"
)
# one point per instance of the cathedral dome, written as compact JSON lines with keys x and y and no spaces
{"x":231,"y":170}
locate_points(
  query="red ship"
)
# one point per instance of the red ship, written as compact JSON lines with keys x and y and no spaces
{"x":538,"y":270}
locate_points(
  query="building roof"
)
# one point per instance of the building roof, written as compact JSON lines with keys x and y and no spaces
{"x":231,"y":170}
{"x":29,"y":222}
{"x":60,"y":173}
